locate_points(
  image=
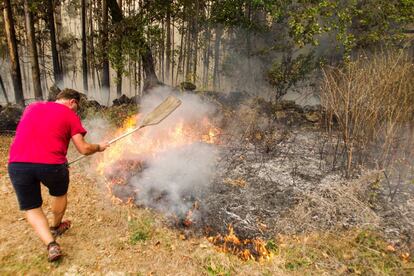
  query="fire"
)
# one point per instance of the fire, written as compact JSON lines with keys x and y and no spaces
{"x":130,"y":123}
{"x":127,"y":156}
{"x":248,"y":249}
{"x":213,"y":133}
{"x":145,"y":143}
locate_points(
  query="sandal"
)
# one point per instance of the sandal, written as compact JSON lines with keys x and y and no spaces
{"x":54,"y":251}
{"x":60,"y":229}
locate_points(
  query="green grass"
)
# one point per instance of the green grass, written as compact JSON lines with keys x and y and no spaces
{"x":358,"y":252}
{"x":215,"y":268}
{"x":140,"y":230}
{"x":35,"y":264}
{"x":116,"y":115}
{"x":271,"y":245}
{"x":217,"y":271}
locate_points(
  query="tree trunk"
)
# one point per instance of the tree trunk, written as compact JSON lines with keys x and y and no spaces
{"x":216,"y":76}
{"x":151,"y":79}
{"x":188,"y":52}
{"x":161,"y":51}
{"x":13,"y":52}
{"x":44,"y":72}
{"x":139,"y":76}
{"x":105,"y":62}
{"x":172,"y":54}
{"x":206,"y":56}
{"x":249,"y":38}
{"x":4,"y":90}
{"x":195,"y":39}
{"x":58,"y":25}
{"x":84,"y":55}
{"x":31,"y":40}
{"x":180,"y":56}
{"x":24,"y":69}
{"x":57,"y":73}
{"x":118,"y":82}
{"x":91,"y":45}
{"x":168,"y":43}
{"x":119,"y":69}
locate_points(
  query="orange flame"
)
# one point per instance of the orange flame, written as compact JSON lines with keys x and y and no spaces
{"x":150,"y":142}
{"x":248,"y":249}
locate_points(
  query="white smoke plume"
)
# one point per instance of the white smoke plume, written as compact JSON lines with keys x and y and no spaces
{"x":173,"y":177}
{"x":177,"y":175}
{"x":180,"y":172}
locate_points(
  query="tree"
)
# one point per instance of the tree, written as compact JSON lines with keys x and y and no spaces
{"x":57,"y":71}
{"x":104,"y":40}
{"x":216,"y":76}
{"x":132,"y":31}
{"x":168,"y":41}
{"x":30,"y":30}
{"x":13,"y":52}
{"x":84,"y":56}
{"x":4,"y":90}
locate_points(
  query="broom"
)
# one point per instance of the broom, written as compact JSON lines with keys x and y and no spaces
{"x":153,"y":118}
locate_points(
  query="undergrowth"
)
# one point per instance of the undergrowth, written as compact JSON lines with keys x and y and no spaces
{"x":358,"y":251}
{"x":116,"y":115}
{"x":140,"y":230}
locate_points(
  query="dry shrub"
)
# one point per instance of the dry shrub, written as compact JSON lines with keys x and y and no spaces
{"x":331,"y":204}
{"x":372,"y":100}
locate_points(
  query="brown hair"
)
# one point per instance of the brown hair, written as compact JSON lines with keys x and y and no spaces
{"x":69,"y":94}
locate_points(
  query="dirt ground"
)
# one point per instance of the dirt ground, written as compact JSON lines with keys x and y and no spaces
{"x":101,"y":240}
{"x":117,"y":239}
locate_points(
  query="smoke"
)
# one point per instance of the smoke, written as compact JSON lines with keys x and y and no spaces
{"x":176,"y":176}
{"x":192,"y":110}
{"x":172,"y":175}
{"x":98,"y":129}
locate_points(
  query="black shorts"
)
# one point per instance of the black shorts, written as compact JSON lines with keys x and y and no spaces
{"x":26,"y":178}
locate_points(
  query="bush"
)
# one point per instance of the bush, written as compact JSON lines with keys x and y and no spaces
{"x":372,"y":101}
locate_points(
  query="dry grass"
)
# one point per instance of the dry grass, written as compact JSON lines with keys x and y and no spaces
{"x":372,"y":99}
{"x":108,"y":238}
{"x":354,"y":252}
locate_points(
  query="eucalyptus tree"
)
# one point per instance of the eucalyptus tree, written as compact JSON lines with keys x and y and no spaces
{"x":84,"y":51}
{"x":57,"y":70}
{"x":132,"y":31}
{"x":3,"y":89}
{"x":105,"y":41}
{"x":13,"y":52}
{"x":32,"y":49}
{"x":334,"y":29}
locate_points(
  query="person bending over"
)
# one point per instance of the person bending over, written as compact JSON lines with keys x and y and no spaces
{"x":38,"y":155}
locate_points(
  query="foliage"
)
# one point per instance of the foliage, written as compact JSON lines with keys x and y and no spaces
{"x":3,"y":42}
{"x":140,"y":230}
{"x":350,"y":25}
{"x":271,"y":245}
{"x":289,"y":71}
{"x":359,"y":251}
{"x":116,"y":115}
{"x":354,"y":24}
{"x":283,"y":26}
{"x":214,"y":268}
{"x":372,"y":101}
{"x":130,"y":38}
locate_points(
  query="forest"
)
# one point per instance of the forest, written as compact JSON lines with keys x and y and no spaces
{"x":292,"y":152}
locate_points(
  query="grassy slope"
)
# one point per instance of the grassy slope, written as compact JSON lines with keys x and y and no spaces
{"x":107,"y":238}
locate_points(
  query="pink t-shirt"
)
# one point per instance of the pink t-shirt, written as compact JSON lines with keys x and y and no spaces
{"x":44,"y":132}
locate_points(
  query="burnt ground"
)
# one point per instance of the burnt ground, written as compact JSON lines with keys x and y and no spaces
{"x":292,"y":189}
{"x":273,"y":177}
{"x":281,"y":177}
{"x":278,"y":176}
